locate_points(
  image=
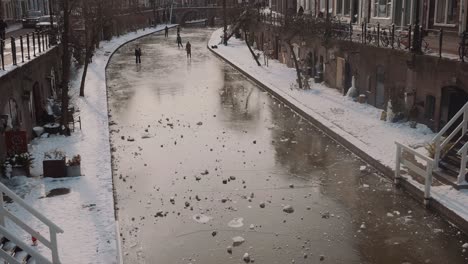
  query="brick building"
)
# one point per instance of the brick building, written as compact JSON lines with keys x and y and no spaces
{"x":435,"y":88}
{"x":24,"y":92}
{"x":434,"y":14}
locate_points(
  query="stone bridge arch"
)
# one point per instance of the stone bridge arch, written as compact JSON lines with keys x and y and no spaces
{"x":186,"y":14}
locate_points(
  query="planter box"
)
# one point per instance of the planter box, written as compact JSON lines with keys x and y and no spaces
{"x":54,"y":168}
{"x":20,"y":171}
{"x":73,"y":171}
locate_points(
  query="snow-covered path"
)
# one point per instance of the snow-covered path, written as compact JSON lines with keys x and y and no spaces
{"x":359,"y":124}
{"x":86,"y":214}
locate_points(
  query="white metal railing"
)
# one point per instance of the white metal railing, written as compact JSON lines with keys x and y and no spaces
{"x":461,"y":175}
{"x":50,"y":243}
{"x":426,"y":174}
{"x":440,"y":142}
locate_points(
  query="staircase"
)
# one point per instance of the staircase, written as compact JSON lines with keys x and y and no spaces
{"x":450,"y":152}
{"x":14,"y":250}
{"x":451,"y":161}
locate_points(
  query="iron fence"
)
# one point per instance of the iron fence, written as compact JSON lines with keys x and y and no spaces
{"x":25,"y":47}
{"x":392,"y":37}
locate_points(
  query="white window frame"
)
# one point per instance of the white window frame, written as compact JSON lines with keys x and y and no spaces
{"x":445,"y":24}
{"x":389,"y":10}
{"x":342,"y":8}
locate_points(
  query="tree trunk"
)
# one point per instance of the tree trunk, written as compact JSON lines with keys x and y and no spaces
{"x":251,"y":51}
{"x":65,"y":66}
{"x":85,"y":71}
{"x":87,"y":48}
{"x":296,"y":64}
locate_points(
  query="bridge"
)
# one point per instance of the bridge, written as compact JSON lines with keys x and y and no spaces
{"x":182,"y":14}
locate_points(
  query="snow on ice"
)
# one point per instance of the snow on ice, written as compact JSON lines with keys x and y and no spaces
{"x":86,"y":214}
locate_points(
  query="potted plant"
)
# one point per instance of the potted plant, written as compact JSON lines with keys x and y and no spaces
{"x":54,"y":164}
{"x":74,"y":166}
{"x":18,"y":164}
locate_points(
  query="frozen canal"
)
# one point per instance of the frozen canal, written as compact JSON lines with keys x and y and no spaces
{"x":202,"y":155}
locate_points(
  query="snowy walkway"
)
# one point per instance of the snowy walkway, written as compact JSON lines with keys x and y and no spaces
{"x":359,"y":124}
{"x":86,"y":214}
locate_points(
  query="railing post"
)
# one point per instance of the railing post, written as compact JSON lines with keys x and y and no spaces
{"x":427,"y":184}
{"x":441,"y":36}
{"x":393,"y":35}
{"x":27,"y":44}
{"x":365,"y":32}
{"x":39,"y":41}
{"x":54,"y":246}
{"x":397,"y":165}
{"x":22,"y":49}
{"x":436,"y":153}
{"x":465,"y":121}
{"x":362,"y":32}
{"x":2,"y":208}
{"x":2,"y":55}
{"x":409,"y":37}
{"x":378,"y":34}
{"x":34,"y":44}
{"x":350,"y":30}
{"x":13,"y":50}
{"x":462,"y":46}
{"x":461,"y":175}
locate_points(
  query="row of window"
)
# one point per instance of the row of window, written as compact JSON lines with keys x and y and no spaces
{"x":445,"y":10}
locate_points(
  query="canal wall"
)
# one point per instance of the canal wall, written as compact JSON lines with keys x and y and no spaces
{"x":24,"y":92}
{"x":354,"y":146}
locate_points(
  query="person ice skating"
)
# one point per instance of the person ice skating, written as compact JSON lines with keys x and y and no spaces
{"x":188,"y":48}
{"x":138,"y":55}
{"x":178,"y":30}
{"x":3,"y":27}
{"x":166,"y":31}
{"x":179,"y":41}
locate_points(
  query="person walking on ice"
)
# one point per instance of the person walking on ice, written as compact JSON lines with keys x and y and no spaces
{"x":137,"y":55}
{"x":166,"y":31}
{"x":179,"y":41}
{"x":188,"y":48}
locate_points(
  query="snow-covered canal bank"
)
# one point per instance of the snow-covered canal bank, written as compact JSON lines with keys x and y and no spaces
{"x":209,"y":168}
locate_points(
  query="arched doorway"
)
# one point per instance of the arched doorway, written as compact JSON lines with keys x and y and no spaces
{"x":453,"y":99}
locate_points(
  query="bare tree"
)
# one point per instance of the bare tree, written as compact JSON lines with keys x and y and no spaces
{"x":94,"y":16}
{"x":65,"y":64}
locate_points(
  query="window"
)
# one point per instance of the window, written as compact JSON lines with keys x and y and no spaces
{"x":429,"y":107}
{"x":343,"y":7}
{"x":446,"y":12}
{"x":323,"y":6}
{"x":382,"y":8}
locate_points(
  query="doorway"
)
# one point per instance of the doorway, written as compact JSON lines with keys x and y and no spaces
{"x":347,"y":78}
{"x":453,"y":99}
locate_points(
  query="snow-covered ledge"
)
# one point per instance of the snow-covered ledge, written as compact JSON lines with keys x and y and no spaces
{"x":86,"y":214}
{"x":358,"y":124}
